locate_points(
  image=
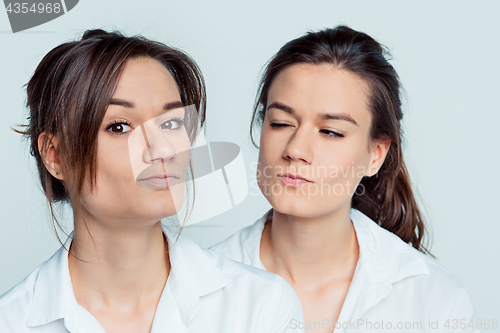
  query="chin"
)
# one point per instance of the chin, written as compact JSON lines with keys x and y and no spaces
{"x":158,"y":213}
{"x":307,"y":206}
{"x":161,"y":206}
{"x":295,"y":205}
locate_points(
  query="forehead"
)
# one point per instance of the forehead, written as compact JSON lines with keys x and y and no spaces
{"x":310,"y":89}
{"x":144,"y":77}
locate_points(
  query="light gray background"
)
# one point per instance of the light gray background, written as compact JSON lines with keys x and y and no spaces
{"x":447,"y":54}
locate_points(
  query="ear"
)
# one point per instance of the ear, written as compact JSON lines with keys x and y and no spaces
{"x":379,"y":151}
{"x":50,"y":155}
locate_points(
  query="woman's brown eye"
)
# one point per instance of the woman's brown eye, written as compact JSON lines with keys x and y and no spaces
{"x":172,"y":124}
{"x":166,"y":125}
{"x":118,"y":128}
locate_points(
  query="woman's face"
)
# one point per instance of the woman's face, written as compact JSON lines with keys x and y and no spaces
{"x":143,"y":148}
{"x":315,"y":145}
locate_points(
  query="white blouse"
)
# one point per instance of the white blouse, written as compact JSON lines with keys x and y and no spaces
{"x":205,"y":292}
{"x":395,"y":287}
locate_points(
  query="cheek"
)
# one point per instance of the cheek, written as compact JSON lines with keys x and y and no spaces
{"x":182,"y":146}
{"x":350,"y":158}
{"x":267,"y":160}
{"x":115,"y":177}
{"x":113,"y":160}
{"x":269,"y":155}
{"x":136,"y":150}
{"x":261,"y":167}
{"x":270,"y":145}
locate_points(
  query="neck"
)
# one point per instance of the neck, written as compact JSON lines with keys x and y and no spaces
{"x":310,"y":249}
{"x":117,"y":267}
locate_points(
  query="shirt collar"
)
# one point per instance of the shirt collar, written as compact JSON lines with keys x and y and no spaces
{"x":382,"y":254}
{"x":52,"y":286}
{"x":383,"y":260}
{"x":252,"y":243}
{"x":193,"y":274}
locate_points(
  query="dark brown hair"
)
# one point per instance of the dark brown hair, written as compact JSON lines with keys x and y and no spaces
{"x":70,"y":90}
{"x":387,"y":198}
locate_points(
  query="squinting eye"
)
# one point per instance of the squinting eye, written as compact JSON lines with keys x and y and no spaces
{"x":172,"y":124}
{"x":119,"y":128}
{"x":278,"y":125}
{"x":332,"y":133}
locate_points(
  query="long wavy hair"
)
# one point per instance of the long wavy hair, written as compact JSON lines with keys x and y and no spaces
{"x":387,"y":198}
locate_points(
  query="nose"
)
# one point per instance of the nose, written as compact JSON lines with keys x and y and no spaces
{"x":158,"y":146}
{"x":300,"y":146}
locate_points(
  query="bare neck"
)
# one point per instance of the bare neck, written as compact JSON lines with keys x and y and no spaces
{"x":310,"y":250}
{"x":118,"y":267}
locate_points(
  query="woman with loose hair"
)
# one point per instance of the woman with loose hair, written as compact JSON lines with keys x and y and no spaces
{"x":344,"y":229}
{"x":111,"y":123}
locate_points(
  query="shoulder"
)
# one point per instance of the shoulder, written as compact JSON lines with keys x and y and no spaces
{"x":441,"y":280}
{"x":434,"y":276}
{"x":253,"y":279}
{"x":241,"y":243}
{"x":439,"y":292}
{"x":21,"y":290}
{"x":393,"y":256}
{"x":274,"y":298}
{"x":16,"y":303}
{"x":413,"y":275}
{"x":196,"y":259}
{"x":238,"y":270}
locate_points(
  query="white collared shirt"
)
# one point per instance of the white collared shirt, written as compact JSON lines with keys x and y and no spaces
{"x":205,"y":292}
{"x":394,"y":288}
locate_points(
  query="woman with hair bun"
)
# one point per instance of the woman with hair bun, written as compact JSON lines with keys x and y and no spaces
{"x":344,"y":229}
{"x":111,"y":123}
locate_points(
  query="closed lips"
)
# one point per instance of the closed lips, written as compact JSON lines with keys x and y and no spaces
{"x":288,"y":175}
{"x":161,"y":176}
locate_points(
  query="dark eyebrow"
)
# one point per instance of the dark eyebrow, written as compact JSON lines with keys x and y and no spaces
{"x":322,"y":116}
{"x":337,"y":116}
{"x":282,"y":107}
{"x":131,"y":105}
